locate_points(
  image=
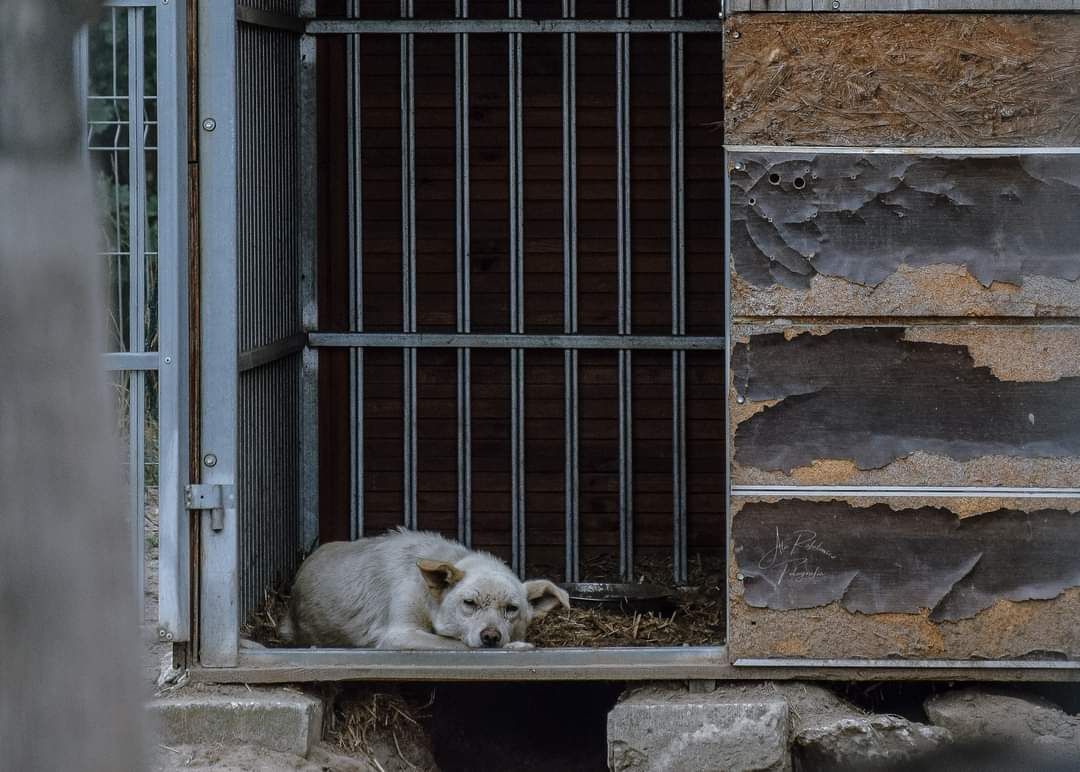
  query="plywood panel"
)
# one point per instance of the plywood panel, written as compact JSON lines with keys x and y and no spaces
{"x":897,"y":234}
{"x":929,"y":578}
{"x":920,"y":405}
{"x":902,"y":79}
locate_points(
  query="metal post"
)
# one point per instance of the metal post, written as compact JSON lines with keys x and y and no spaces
{"x":678,"y":301}
{"x":462,"y":248}
{"x":137,"y":289}
{"x":517,"y":298}
{"x":218,"y":585}
{"x":408,"y":265}
{"x":625,"y":265}
{"x":570,"y":325}
{"x":309,"y":415}
{"x":172,"y":115}
{"x":356,"y":278}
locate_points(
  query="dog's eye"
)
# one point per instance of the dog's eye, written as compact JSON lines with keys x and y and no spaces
{"x":470,"y":603}
{"x":511,"y":609}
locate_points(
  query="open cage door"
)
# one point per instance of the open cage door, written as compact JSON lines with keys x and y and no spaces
{"x":254,"y":240}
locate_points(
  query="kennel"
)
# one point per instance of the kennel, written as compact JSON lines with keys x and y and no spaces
{"x":474,"y":266}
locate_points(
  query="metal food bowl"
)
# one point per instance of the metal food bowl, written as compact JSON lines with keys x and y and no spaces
{"x":627,"y":598}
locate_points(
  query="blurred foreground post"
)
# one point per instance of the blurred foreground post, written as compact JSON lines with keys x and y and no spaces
{"x":68,"y":634}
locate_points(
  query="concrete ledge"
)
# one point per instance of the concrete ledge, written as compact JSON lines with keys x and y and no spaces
{"x":735,"y":728}
{"x":280,"y":719}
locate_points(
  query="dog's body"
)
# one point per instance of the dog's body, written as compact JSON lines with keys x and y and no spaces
{"x":412,"y":590}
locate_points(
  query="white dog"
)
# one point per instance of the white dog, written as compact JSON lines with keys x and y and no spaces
{"x":409,"y":590}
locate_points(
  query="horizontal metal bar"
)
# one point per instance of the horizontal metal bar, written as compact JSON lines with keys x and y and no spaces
{"x":905,"y":491}
{"x":950,"y":664}
{"x":270,"y":19}
{"x":131,"y":3}
{"x":924,"y":151}
{"x":128,"y":360}
{"x":507,"y":26}
{"x":600,"y":664}
{"x":473,"y":340}
{"x":271,"y":352}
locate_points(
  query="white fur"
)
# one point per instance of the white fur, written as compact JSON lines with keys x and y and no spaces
{"x":371,"y":593}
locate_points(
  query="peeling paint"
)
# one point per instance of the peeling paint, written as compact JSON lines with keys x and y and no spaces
{"x":869,"y":395}
{"x":861,"y":217}
{"x":873,"y":560}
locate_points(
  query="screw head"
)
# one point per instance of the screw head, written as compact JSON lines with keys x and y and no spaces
{"x":210,"y":459}
{"x":739,"y":166}
{"x":740,"y":576}
{"x":736,"y":34}
{"x":162,"y":633}
{"x":836,"y":5}
{"x":740,"y":399}
{"x":209,"y":124}
{"x":168,"y":360}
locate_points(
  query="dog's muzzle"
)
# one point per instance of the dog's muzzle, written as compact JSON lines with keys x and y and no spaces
{"x":490,"y":637}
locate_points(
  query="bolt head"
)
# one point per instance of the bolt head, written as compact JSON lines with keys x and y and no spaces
{"x":210,"y":459}
{"x":739,"y":166}
{"x":740,"y":399}
{"x":209,"y":124}
{"x":736,"y":34}
{"x":836,"y":5}
{"x":740,"y":576}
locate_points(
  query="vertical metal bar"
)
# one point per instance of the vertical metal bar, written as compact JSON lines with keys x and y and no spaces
{"x":517,"y":296}
{"x":218,"y":586}
{"x":462,"y":250}
{"x":678,"y":303}
{"x":309,"y":383}
{"x":408,"y":263}
{"x":356,"y":277}
{"x":137,"y":287}
{"x":173,"y":549}
{"x":626,"y":443}
{"x":570,"y":315}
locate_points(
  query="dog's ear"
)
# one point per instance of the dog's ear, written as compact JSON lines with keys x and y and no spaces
{"x":545,"y":596}
{"x":439,"y":575}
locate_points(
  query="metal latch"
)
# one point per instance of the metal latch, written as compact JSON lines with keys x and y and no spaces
{"x":215,"y":498}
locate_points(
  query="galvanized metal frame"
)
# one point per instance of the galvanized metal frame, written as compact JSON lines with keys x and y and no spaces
{"x":408,"y":265}
{"x":356,"y":278}
{"x":462,"y":249}
{"x":524,"y":341}
{"x":219,"y":617}
{"x":571,"y":419}
{"x":516,"y":194}
{"x":509,"y":26}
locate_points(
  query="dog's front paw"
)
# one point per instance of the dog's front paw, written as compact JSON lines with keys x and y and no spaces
{"x":519,"y":645}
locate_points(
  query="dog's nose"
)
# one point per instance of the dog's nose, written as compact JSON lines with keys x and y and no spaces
{"x":490,"y":637}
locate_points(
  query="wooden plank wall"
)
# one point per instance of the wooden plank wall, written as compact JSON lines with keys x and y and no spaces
{"x":904,"y":319}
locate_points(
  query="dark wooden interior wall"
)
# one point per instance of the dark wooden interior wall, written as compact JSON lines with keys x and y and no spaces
{"x":597,"y":282}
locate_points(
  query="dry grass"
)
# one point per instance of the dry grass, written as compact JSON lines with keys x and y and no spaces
{"x":697,"y":620}
{"x":387,"y":728}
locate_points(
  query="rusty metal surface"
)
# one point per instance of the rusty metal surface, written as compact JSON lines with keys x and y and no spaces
{"x":823,"y":233}
{"x":922,"y":578}
{"x":933,"y":405}
{"x":800,"y":554}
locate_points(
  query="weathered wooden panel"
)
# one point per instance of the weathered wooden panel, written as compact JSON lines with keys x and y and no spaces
{"x":1001,"y":6}
{"x":902,"y":79}
{"x":948,"y":578}
{"x":905,"y":235}
{"x":922,"y":405}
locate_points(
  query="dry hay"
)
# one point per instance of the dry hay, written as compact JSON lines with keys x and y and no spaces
{"x":389,"y":729}
{"x":698,"y":618}
{"x":902,"y":79}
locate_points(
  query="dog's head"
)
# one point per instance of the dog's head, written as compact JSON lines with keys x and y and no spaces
{"x":482,"y":603}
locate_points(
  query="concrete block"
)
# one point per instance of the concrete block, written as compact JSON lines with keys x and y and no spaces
{"x":860,"y":742}
{"x":980,"y":715}
{"x":278,"y":719}
{"x":666,"y":727}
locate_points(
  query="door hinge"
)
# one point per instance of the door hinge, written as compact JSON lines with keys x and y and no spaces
{"x":213,"y":498}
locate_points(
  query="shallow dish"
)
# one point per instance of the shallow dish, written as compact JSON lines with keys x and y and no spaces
{"x":628,"y":598}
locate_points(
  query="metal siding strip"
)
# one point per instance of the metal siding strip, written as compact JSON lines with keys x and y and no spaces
{"x":218,"y":588}
{"x":462,"y":247}
{"x":517,"y":294}
{"x":307,"y":153}
{"x":571,"y":482}
{"x":489,"y":341}
{"x":678,"y":302}
{"x":408,"y":269}
{"x":510,"y":26}
{"x":173,"y":549}
{"x":625,"y":269}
